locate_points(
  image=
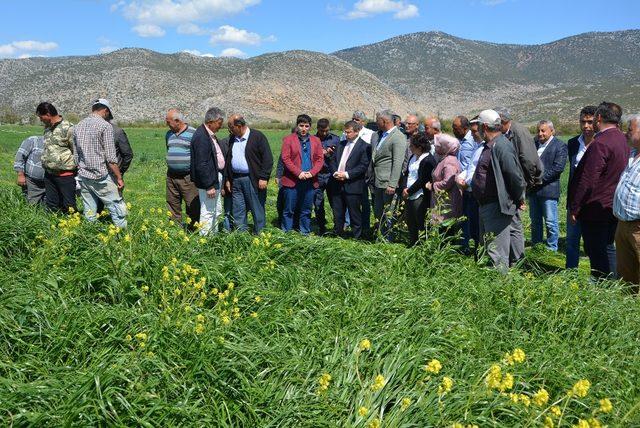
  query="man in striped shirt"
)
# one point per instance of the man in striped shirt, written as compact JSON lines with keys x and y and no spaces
{"x":626,"y":208}
{"x":28,"y":166}
{"x":179,"y":185}
{"x":95,"y":152}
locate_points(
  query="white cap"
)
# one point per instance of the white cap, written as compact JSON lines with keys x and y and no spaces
{"x":104,"y":102}
{"x":488,"y":117}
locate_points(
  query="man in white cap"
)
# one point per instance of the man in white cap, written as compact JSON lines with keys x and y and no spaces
{"x":97,"y":161}
{"x":499,"y":187}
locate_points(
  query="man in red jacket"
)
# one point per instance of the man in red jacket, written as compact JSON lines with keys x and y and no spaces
{"x":303,"y":158}
{"x":593,"y":185}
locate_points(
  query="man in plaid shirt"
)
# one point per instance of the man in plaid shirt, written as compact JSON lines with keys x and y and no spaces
{"x":28,"y":166}
{"x":626,"y":208}
{"x":97,"y":161}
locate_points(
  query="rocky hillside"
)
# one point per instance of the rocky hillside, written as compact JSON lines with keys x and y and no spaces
{"x":143,"y":84}
{"x":447,"y":74}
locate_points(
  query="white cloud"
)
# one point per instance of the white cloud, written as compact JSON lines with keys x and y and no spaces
{"x":177,"y":12}
{"x":192,"y":29}
{"x":148,"y":30}
{"x":233,"y":52}
{"x":107,"y":49}
{"x":196,"y":52}
{"x":232,"y":35}
{"x":366,"y":8}
{"x":24,"y":48}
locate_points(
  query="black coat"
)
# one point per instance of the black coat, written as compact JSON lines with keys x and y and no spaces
{"x":258,"y":155}
{"x":554,"y":160}
{"x":425,"y":171}
{"x":573,"y":145}
{"x":357,"y":166}
{"x":124,"y":153}
{"x":204,"y":164}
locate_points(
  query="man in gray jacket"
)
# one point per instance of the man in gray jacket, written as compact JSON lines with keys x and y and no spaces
{"x":499,"y":188}
{"x":387,"y":158}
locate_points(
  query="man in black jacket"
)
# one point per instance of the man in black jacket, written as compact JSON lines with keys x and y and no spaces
{"x":208,"y":162}
{"x":248,"y":172}
{"x":348,"y":168}
{"x":543,"y":199}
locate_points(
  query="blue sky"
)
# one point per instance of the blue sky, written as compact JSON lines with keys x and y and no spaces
{"x":252,"y":27}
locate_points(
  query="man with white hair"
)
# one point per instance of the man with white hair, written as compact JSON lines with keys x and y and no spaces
{"x":626,"y":208}
{"x":498,"y":186}
{"x":387,"y":159}
{"x":179,"y":185}
{"x":543,"y":199}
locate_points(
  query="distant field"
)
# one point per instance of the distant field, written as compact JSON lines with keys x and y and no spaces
{"x":154,"y":327}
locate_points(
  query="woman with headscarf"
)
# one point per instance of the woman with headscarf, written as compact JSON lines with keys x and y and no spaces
{"x":447,"y":197}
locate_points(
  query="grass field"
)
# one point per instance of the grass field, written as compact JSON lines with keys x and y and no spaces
{"x":153,"y":327}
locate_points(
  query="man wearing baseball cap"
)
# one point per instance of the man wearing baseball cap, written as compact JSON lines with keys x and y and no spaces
{"x":97,"y":161}
{"x":499,"y":187}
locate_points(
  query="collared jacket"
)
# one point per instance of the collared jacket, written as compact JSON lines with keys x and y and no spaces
{"x":387,"y":159}
{"x":356,"y":167}
{"x":526,"y":151}
{"x":508,"y":174}
{"x":124,"y":152}
{"x":292,"y":159}
{"x":554,"y":160}
{"x":596,"y":177}
{"x":57,"y":156}
{"x":204,"y":160}
{"x":258,"y":156}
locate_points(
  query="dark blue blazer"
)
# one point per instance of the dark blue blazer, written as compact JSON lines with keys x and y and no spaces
{"x":554,"y":160}
{"x":573,"y":145}
{"x":357,"y":166}
{"x":204,"y":165}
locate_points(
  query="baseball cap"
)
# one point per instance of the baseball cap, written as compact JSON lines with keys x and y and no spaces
{"x":488,"y":117}
{"x":504,"y":113}
{"x":104,"y":102}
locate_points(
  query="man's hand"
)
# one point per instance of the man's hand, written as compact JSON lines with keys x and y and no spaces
{"x":328,"y":152}
{"x":428,"y":186}
{"x":405,"y":193}
{"x":22,"y":179}
{"x":573,"y":219}
{"x":390,"y":190}
{"x":522,"y":206}
{"x":262,"y":184}
{"x":461,"y":183}
{"x":227,"y":187}
{"x":120,"y":183}
{"x":302,"y":176}
{"x":339,"y":175}
{"x":211,"y":193}
{"x":309,"y":175}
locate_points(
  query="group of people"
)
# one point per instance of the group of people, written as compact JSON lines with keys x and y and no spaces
{"x":479,"y":179}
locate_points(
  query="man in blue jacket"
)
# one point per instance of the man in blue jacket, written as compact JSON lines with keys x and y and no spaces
{"x":543,"y":198}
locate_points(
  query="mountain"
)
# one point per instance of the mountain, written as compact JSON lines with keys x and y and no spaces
{"x":427,"y":72}
{"x":450,"y":75}
{"x":142,"y":85}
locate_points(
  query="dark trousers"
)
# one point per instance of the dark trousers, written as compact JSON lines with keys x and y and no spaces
{"x":471,"y":224}
{"x":245,"y":198}
{"x":298,"y":199}
{"x":598,"y":238}
{"x":415,"y":213}
{"x":60,"y":192}
{"x":341,"y":202}
{"x":381,"y":208}
{"x":318,"y":208}
{"x":181,"y":188}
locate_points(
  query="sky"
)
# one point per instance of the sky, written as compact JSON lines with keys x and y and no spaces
{"x":246,"y":28}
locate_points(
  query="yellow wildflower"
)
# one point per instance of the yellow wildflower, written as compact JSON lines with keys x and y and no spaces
{"x":364,"y":345}
{"x":254,"y":315}
{"x":145,"y":288}
{"x":404,"y":405}
{"x":378,"y":383}
{"x":594,"y":423}
{"x":199,"y":328}
{"x":525,"y":400}
{"x":230,"y":285}
{"x":605,"y":405}
{"x":556,"y":411}
{"x":446,"y":385}
{"x":202,"y":241}
{"x":128,"y":338}
{"x":548,"y":422}
{"x":226,"y":320}
{"x":506,"y":383}
{"x":235,"y":300}
{"x":457,"y":425}
{"x":434,"y":366}
{"x":127,"y":238}
{"x":581,"y":424}
{"x":374,"y":423}
{"x":258,"y":299}
{"x":363,"y":411}
{"x":141,"y":336}
{"x":494,"y":377}
{"x":518,"y":355}
{"x":324,"y":382}
{"x":129,"y":206}
{"x":142,"y":344}
{"x":581,"y":388}
{"x":150,"y":354}
{"x":200,"y":318}
{"x":541,"y":397}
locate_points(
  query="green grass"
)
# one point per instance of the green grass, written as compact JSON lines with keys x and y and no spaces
{"x":72,"y":293}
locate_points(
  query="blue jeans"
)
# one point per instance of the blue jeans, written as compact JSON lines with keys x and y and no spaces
{"x":574,"y":234}
{"x":300,"y":199}
{"x":547,"y":209}
{"x":245,"y":197}
{"x":106,"y":191}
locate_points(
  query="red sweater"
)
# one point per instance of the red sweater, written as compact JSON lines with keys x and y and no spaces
{"x":596,"y":177}
{"x":291,"y":157}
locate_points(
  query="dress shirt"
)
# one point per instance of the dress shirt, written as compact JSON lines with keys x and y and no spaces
{"x":412,"y":177}
{"x":581,"y":149}
{"x":219,"y":154}
{"x":365,"y":134}
{"x":626,"y":200}
{"x":543,"y":146}
{"x":95,"y":147}
{"x":342,"y":167}
{"x":383,"y":137}
{"x":468,"y":147}
{"x":467,"y":174}
{"x":239,"y":163}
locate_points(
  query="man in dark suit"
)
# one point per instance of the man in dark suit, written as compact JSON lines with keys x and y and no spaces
{"x":207,"y":166}
{"x":576,"y":147}
{"x":593,"y":186}
{"x":543,"y":199}
{"x":248,"y":172}
{"x":348,"y":168}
